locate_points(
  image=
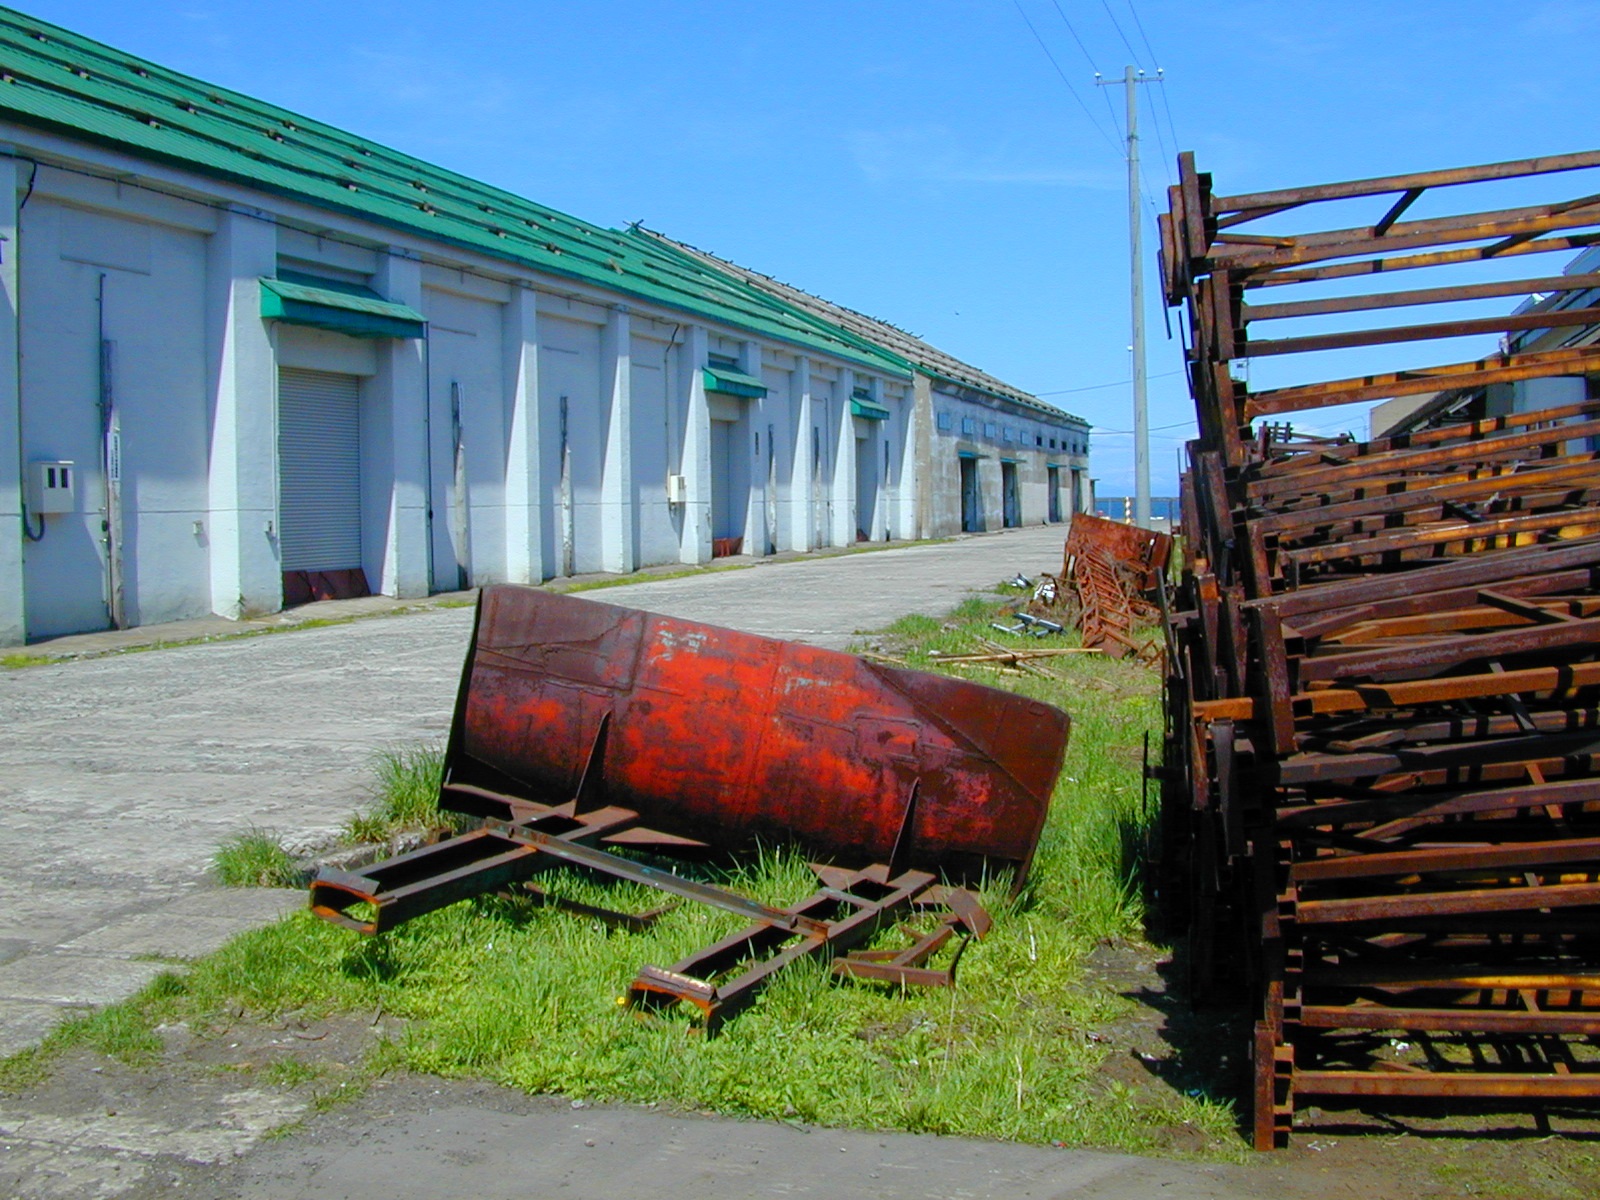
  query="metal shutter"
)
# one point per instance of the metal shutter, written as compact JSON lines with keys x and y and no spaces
{"x":319,"y":470}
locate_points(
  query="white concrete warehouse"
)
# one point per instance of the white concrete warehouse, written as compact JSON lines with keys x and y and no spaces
{"x":247,"y":359}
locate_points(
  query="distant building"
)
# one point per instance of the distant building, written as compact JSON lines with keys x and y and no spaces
{"x":248,"y":359}
{"x":985,"y":454}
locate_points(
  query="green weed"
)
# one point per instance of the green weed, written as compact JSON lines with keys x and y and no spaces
{"x":254,"y":858}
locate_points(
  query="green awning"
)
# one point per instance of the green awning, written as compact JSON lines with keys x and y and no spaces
{"x":347,"y":308}
{"x":734,"y":383}
{"x":868,"y":409}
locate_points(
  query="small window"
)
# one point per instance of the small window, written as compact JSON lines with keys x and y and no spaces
{"x":1009,"y":434}
{"x":969,"y":425}
{"x":1052,"y":443}
{"x":945,"y":422}
{"x":1038,"y":439}
{"x":988,"y":429}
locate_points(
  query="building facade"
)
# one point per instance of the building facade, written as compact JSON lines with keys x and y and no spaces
{"x":247,"y":359}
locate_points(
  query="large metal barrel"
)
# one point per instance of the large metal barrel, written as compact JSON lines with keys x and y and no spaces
{"x":737,"y":740}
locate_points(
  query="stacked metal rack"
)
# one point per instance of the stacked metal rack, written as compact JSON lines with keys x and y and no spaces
{"x":1381,"y":800}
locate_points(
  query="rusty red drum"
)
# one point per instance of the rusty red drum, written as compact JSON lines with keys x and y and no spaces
{"x":737,"y":740}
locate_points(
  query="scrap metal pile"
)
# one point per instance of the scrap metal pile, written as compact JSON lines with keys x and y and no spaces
{"x":583,"y":730}
{"x":1114,"y":570}
{"x":1381,"y":800}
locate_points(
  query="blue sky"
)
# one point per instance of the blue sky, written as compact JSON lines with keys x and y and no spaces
{"x":920,"y":160}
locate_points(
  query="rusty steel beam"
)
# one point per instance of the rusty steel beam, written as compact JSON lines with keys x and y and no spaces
{"x":1381,"y":790}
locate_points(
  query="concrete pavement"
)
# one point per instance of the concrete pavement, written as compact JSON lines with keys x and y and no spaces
{"x":120,"y":775}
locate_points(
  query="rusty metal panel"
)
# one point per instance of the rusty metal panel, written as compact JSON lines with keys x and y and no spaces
{"x":734,"y":739}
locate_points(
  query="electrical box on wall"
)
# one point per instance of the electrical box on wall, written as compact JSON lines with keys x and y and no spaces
{"x":52,"y":487}
{"x":677,"y":489}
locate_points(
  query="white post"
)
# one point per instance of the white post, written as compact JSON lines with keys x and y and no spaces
{"x":242,"y":475}
{"x":696,"y":464}
{"x":13,"y":610}
{"x":802,"y":508}
{"x":844,"y":464}
{"x":525,"y":552}
{"x":403,"y":376}
{"x":617,"y":504}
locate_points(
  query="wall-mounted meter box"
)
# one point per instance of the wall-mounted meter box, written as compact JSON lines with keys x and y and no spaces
{"x":677,"y":489}
{"x":52,"y":488}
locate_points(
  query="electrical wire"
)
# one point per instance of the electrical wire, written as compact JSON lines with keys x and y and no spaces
{"x":1099,"y":387}
{"x":1134,"y":54}
{"x":1100,"y":129}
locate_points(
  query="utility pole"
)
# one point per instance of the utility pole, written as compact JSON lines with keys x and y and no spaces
{"x":1141,"y":411}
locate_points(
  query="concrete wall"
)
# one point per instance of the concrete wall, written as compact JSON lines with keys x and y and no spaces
{"x":994,"y":430}
{"x":531,"y":433}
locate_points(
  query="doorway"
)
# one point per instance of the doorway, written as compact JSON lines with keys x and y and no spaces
{"x":1011,"y":498}
{"x":971,"y":502}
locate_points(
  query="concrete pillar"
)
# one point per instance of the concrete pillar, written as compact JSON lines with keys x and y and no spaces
{"x":617,"y":505}
{"x":844,"y":465}
{"x":802,"y":508}
{"x":918,"y":474}
{"x":526,"y":555}
{"x":13,"y":612}
{"x":402,"y":382}
{"x":242,"y":524}
{"x":696,"y":466}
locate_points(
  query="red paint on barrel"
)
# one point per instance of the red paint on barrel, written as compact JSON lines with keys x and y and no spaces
{"x":736,"y":739}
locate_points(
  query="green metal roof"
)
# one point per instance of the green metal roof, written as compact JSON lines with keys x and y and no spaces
{"x":58,"y":80}
{"x":342,"y":307}
{"x":870,"y":331}
{"x":719,"y":378}
{"x":867,"y":409}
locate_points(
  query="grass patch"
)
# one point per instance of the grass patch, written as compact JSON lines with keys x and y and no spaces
{"x":254,"y":858}
{"x":405,"y":796}
{"x":527,"y":996}
{"x":16,"y":662}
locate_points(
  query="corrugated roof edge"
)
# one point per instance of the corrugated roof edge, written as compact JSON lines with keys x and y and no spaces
{"x":979,"y":380}
{"x":772,"y":318}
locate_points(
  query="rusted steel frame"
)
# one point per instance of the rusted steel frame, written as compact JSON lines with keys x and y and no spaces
{"x":1495,"y":482}
{"x":694,"y":980}
{"x":1557,"y":495}
{"x":1333,"y":813}
{"x":1394,"y":908}
{"x":1470,"y":977}
{"x":1487,"y":428}
{"x":903,"y":967}
{"x":1459,"y":728}
{"x":1417,"y":296}
{"x":1281,"y":198}
{"x":1443,"y":652}
{"x":1306,"y":768}
{"x":436,"y":876}
{"x":1421,"y":458}
{"x":1525,"y":223}
{"x":1508,"y":368}
{"x":1555,"y":681}
{"x":1247,"y":347}
{"x":653,"y":877}
{"x":1464,"y":1083}
{"x":1446,"y":858}
{"x":1449,"y":1020}
{"x":1463,"y":532}
{"x":1423,"y":596}
{"x":1387,"y":265}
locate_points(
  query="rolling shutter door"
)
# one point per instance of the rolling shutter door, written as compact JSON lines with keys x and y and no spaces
{"x":319,"y":465}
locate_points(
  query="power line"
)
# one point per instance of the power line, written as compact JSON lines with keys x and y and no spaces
{"x":1092,"y":119}
{"x":1165,"y":103}
{"x":1098,"y":387}
{"x":1134,"y":53}
{"x":1088,"y":58}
